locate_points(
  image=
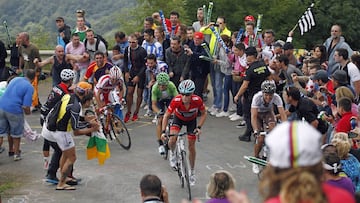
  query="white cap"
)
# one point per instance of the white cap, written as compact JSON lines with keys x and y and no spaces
{"x":294,"y":144}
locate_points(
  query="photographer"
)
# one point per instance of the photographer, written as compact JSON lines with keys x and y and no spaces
{"x":152,"y":191}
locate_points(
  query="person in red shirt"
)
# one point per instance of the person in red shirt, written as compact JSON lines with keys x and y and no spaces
{"x":185,"y":108}
{"x":344,"y":110}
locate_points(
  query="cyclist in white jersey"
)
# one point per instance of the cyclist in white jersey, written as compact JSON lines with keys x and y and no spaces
{"x":262,"y":114}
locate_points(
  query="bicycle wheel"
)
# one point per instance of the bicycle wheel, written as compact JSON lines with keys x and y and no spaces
{"x":185,"y":171}
{"x":179,"y":169}
{"x":120,"y":132}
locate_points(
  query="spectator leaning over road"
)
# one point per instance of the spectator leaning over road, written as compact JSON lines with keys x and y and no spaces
{"x":16,"y":101}
{"x":220,"y":182}
{"x":28,"y":53}
{"x":341,"y":56}
{"x":152,"y":191}
{"x":256,"y":73}
{"x":58,"y":61}
{"x":294,"y":172}
{"x":334,"y":42}
{"x":57,"y":92}
{"x":70,"y":122}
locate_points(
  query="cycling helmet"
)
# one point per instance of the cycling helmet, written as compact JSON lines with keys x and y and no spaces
{"x":115,"y":73}
{"x":67,"y":74}
{"x":186,"y":87}
{"x":268,"y":86}
{"x":162,"y":78}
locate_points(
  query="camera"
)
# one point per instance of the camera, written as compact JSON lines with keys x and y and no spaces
{"x":216,"y":25}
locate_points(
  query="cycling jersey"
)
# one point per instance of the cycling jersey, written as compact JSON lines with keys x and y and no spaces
{"x":169,"y":93}
{"x":186,"y":114}
{"x":104,"y":86}
{"x":259,"y":103}
{"x":55,"y":95}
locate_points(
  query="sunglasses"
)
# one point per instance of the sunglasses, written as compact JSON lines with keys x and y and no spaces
{"x":189,"y":94}
{"x":132,"y":42}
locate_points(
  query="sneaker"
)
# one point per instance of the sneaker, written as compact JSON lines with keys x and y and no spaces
{"x":46,"y":164}
{"x":155,"y":119}
{"x":149,"y":113}
{"x":11,"y":153}
{"x":127,"y":117}
{"x":161,"y":150}
{"x":172,"y":160}
{"x":2,"y":149}
{"x":211,"y":109}
{"x":232,"y":115}
{"x":236,"y":117}
{"x":17,"y":157}
{"x":192,"y":179}
{"x":222,"y":114}
{"x":255,"y":168}
{"x":135,"y":117}
{"x":216,"y":111}
{"x":53,"y":180}
{"x":241,"y":124}
{"x":146,"y":107}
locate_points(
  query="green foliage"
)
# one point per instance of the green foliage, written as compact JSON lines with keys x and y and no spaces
{"x":283,"y":15}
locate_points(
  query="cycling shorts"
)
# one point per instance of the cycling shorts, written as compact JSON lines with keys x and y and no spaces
{"x":265,"y":118}
{"x":190,"y":127}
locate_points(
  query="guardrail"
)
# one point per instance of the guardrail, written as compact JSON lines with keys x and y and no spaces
{"x":43,"y":54}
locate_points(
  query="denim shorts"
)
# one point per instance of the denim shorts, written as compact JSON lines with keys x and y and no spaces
{"x":13,"y":123}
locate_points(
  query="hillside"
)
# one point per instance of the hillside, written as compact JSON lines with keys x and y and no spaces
{"x":38,"y":17}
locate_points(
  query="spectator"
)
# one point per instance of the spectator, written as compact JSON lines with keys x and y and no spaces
{"x":334,"y":42}
{"x":15,"y":102}
{"x":152,"y":191}
{"x":64,"y":32}
{"x":3,"y":55}
{"x":81,"y":13}
{"x":220,"y":182}
{"x":295,"y":169}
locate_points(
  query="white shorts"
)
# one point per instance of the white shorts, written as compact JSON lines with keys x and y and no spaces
{"x":63,"y":139}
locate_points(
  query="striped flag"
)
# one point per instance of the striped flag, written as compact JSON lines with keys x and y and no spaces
{"x":306,"y":22}
{"x":98,"y":147}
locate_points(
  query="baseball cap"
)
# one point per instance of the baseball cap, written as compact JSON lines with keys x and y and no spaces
{"x":288,"y":45}
{"x":59,"y":19}
{"x":250,"y":51}
{"x":198,"y":35}
{"x":321,"y":75}
{"x":249,"y":18}
{"x":340,"y":76}
{"x":294,"y":144}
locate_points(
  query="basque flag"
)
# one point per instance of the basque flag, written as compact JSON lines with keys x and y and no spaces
{"x":306,"y":22}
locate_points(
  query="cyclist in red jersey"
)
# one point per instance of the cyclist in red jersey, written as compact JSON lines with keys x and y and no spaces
{"x":185,"y":107}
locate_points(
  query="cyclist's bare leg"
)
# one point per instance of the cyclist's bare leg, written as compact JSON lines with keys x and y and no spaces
{"x":258,"y":145}
{"x":172,"y":140}
{"x":192,"y":152}
{"x":129,"y":98}
{"x":139,"y":99}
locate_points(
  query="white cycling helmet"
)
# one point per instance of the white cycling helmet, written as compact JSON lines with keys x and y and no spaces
{"x":186,"y":87}
{"x":67,"y":74}
{"x":115,"y":73}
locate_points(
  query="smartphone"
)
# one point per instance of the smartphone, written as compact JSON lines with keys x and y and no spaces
{"x":216,"y":25}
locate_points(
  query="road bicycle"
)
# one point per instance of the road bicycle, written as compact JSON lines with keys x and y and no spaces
{"x":113,"y":127}
{"x":167,"y":133}
{"x":182,"y":166}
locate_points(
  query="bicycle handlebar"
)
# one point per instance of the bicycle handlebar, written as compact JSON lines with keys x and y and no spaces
{"x":184,"y":133}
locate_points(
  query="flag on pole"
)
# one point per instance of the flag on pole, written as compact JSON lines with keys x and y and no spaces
{"x":306,"y":22}
{"x":98,"y":147}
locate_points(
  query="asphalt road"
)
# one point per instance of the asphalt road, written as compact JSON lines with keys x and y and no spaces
{"x":118,"y":180}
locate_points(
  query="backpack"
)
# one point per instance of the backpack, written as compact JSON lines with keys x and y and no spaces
{"x":53,"y":117}
{"x":98,"y":39}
